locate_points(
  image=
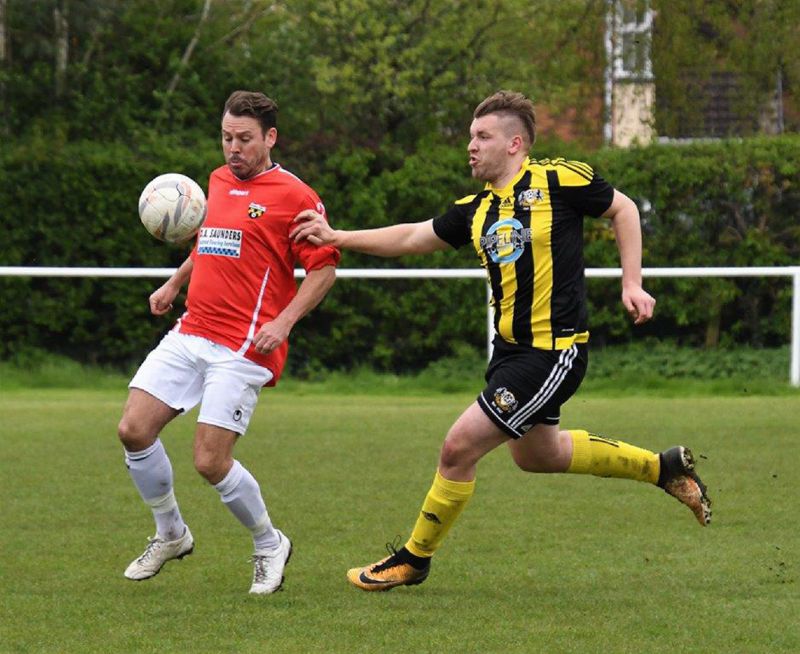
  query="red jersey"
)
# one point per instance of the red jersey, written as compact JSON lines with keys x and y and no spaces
{"x":244,"y":260}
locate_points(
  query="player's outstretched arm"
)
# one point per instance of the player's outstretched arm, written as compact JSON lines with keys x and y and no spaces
{"x":628,"y":232}
{"x":162,"y":298}
{"x":392,"y":241}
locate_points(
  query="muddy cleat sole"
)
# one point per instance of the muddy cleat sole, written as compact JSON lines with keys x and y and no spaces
{"x":157,"y":553}
{"x":679,"y":479}
{"x":387,"y":574}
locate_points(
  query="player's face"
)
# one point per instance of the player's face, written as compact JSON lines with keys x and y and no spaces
{"x":488,"y":148}
{"x":245,"y":148}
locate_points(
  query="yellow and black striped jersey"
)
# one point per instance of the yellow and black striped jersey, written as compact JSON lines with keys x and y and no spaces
{"x":529,"y":238}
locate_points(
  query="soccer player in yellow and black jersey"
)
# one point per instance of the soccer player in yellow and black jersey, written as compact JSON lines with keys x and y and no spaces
{"x":526,"y":227}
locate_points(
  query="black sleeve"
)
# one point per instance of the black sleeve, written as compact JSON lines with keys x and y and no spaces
{"x":591,"y":199}
{"x":453,"y":227}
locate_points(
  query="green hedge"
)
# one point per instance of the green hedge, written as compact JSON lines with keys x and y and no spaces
{"x":76,"y":205}
{"x":725,"y":203}
{"x":729,"y":203}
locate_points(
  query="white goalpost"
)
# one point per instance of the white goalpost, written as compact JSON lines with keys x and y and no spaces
{"x":466,"y":273}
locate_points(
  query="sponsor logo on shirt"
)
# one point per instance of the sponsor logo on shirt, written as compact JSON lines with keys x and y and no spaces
{"x":505,"y":241}
{"x":220,"y":242}
{"x":238,"y":191}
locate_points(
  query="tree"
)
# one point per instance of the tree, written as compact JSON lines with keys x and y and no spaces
{"x":749,"y":42}
{"x":3,"y":65}
{"x":3,"y":39}
{"x":378,"y":74}
{"x":187,"y":53}
{"x":61,"y":46}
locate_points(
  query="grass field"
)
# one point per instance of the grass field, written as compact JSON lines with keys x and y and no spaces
{"x":536,"y":563}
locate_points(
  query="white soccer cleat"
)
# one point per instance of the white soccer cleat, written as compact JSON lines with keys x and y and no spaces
{"x":268,"y":566}
{"x":157,"y":553}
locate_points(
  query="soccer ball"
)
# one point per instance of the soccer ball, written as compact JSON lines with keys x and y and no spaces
{"x":172,"y":207}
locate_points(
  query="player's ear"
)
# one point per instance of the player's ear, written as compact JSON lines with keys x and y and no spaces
{"x":516,"y":144}
{"x":271,"y":137}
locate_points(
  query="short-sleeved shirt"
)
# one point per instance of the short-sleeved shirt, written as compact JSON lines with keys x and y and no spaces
{"x":529,"y":238}
{"x":244,"y":260}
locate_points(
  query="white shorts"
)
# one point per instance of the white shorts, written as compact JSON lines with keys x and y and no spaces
{"x":184,"y":370}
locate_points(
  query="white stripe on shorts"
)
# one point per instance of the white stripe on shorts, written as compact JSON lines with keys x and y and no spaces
{"x":548,"y":389}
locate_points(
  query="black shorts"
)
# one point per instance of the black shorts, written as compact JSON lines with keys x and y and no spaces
{"x":526,"y":386}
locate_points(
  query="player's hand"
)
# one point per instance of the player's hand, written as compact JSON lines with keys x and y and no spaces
{"x":270,"y":336}
{"x":638,"y":303}
{"x":161,"y":299}
{"x":312,"y":226}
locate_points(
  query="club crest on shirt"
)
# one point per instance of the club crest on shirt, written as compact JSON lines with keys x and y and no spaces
{"x":504,"y":400}
{"x":529,"y":197}
{"x":255,"y":210}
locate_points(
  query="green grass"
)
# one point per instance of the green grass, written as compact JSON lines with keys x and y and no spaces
{"x":536,"y":563}
{"x":642,"y":368}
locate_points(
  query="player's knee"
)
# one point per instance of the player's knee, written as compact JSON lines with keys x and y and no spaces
{"x":209,"y":467}
{"x":455,"y":453}
{"x":204,"y":466}
{"x":132,"y":436}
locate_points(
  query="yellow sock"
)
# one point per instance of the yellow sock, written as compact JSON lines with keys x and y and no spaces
{"x":443,"y":504}
{"x":605,"y":457}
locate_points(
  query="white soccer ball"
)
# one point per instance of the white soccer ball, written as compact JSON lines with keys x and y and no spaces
{"x":172,"y":207}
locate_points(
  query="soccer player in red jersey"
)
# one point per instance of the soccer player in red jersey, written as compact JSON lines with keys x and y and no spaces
{"x":232,"y":340}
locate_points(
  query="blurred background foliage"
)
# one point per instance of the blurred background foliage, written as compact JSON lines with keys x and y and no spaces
{"x":100,"y":96}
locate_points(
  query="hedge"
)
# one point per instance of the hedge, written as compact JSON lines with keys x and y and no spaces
{"x":731,"y":203}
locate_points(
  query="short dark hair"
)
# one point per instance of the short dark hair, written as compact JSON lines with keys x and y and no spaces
{"x":510,"y":103}
{"x":254,"y":104}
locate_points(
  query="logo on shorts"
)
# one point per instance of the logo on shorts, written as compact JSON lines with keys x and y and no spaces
{"x":256,"y":210}
{"x":237,"y":415}
{"x":504,"y":400}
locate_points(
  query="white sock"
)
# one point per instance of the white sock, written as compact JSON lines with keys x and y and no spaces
{"x":151,"y":472}
{"x":240,"y":492}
